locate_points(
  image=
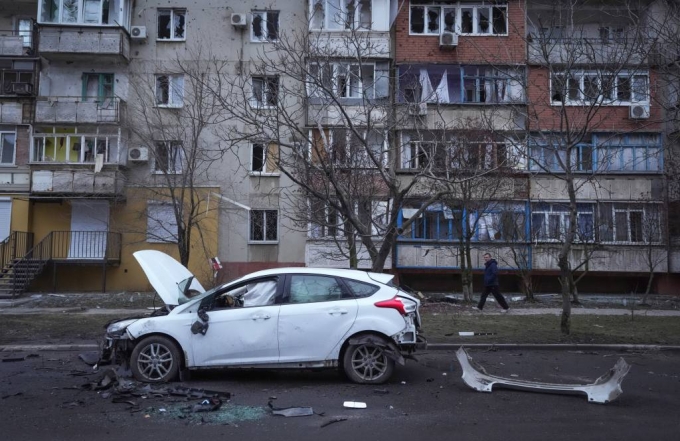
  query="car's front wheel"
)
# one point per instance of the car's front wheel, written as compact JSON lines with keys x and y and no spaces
{"x":155,"y":360}
{"x":366,"y":363}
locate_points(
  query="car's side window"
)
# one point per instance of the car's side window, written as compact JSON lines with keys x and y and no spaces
{"x":259,"y":293}
{"x":361,"y":289}
{"x":305,"y":288}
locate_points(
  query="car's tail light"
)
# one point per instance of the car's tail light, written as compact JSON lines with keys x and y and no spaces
{"x":393,"y":303}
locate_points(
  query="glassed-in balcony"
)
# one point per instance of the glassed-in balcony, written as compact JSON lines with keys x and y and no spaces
{"x":78,"y":110}
{"x":95,"y":145}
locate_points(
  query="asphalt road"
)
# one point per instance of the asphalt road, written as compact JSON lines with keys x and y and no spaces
{"x":41,"y":399}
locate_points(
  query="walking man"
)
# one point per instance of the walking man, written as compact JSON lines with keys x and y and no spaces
{"x":491,"y":284}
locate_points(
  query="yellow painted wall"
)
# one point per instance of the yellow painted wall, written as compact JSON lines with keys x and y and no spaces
{"x":129,"y":218}
{"x":20,"y":213}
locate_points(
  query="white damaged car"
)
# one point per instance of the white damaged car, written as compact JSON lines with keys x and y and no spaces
{"x":279,"y":318}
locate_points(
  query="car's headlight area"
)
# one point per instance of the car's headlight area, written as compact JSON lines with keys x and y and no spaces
{"x":118,"y":330}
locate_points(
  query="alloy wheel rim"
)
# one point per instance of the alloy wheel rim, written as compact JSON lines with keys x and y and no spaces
{"x":369,"y":362}
{"x":155,"y":361}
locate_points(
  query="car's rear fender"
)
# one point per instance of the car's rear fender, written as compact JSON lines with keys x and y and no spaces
{"x":384,"y":326}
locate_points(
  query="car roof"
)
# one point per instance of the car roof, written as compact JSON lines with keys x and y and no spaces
{"x":363,"y":276}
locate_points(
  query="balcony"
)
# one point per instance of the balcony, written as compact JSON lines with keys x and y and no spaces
{"x":15,"y":113}
{"x":69,"y":43}
{"x":78,"y":110}
{"x":15,"y":43}
{"x":572,"y":51}
{"x":365,"y":45}
{"x":83,"y":181}
{"x":447,"y":116}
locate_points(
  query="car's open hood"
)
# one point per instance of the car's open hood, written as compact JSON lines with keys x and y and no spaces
{"x":164,"y":274}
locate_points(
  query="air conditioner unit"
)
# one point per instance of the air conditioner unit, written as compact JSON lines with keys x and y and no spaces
{"x":419,"y":109}
{"x":22,"y":88}
{"x":138,"y":33}
{"x":448,"y":39}
{"x":239,"y":19}
{"x":639,"y":111}
{"x":138,"y":154}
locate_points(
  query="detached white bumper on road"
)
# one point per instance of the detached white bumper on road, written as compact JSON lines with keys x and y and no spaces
{"x":604,"y":390}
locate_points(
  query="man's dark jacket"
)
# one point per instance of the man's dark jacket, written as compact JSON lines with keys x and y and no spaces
{"x":491,"y":273}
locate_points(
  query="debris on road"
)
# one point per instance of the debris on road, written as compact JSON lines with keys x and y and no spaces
{"x":23,"y":358}
{"x":354,"y":405}
{"x":604,"y":390}
{"x":469,"y":334}
{"x":291,"y":411}
{"x":89,"y":358}
{"x":334,"y":420}
{"x":381,"y":391}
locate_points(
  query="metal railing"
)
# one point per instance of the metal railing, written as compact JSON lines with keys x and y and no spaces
{"x":71,"y":109}
{"x":65,"y":246}
{"x":15,"y":42}
{"x":15,"y":246}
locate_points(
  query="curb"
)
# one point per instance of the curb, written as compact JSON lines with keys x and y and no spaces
{"x":546,"y":346}
{"x":46,"y":348}
{"x":431,"y":346}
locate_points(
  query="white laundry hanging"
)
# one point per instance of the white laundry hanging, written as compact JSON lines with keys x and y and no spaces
{"x":426,"y":85}
{"x":442,"y":91}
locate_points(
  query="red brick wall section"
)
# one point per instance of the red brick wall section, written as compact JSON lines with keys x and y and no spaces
{"x":23,"y":146}
{"x":545,"y":117}
{"x":471,"y":49}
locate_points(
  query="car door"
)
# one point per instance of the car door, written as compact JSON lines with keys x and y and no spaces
{"x":242,"y":325}
{"x":316,"y":314}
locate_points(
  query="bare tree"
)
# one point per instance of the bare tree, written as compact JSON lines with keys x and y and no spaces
{"x":173,"y":115}
{"x":653,"y":230}
{"x":577,"y":81}
{"x":323,"y":106}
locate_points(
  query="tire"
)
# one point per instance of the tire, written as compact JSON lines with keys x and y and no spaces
{"x":155,"y":360}
{"x":367,"y":364}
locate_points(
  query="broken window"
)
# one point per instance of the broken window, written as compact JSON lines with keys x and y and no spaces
{"x":100,"y":12}
{"x":171,"y":24}
{"x":342,"y":14}
{"x":265,"y":26}
{"x":325,"y":220}
{"x":168,"y":157}
{"x":170,"y":90}
{"x":500,"y":26}
{"x":425,"y":19}
{"x":466,"y":21}
{"x":265,"y":92}
{"x":346,"y":80}
{"x":264,"y":157}
{"x":584,"y":87}
{"x":264,"y":226}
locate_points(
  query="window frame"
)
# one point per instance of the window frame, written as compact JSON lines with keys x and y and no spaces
{"x":583,"y":100}
{"x":266,"y":89}
{"x":123,"y":12}
{"x":627,"y":208}
{"x":457,"y":27}
{"x":266,"y":161}
{"x":111,"y":145}
{"x":264,"y":240}
{"x":174,"y":146}
{"x":3,"y":135}
{"x":264,"y":14}
{"x":172,"y":220}
{"x":336,"y":75}
{"x":355,"y":26}
{"x":554,"y":210}
{"x":173,"y":12}
{"x":174,"y":88}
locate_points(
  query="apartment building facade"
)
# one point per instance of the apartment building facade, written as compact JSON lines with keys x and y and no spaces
{"x":483,"y":99}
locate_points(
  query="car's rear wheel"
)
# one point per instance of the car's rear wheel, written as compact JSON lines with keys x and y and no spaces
{"x":366,"y":363}
{"x":155,"y":360}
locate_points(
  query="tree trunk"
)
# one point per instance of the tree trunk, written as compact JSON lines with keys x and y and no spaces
{"x":649,"y":288}
{"x":574,"y":290}
{"x":527,"y":287}
{"x":464,"y":275}
{"x":565,"y":275}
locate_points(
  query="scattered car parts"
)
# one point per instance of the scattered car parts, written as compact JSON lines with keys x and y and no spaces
{"x":604,"y":390}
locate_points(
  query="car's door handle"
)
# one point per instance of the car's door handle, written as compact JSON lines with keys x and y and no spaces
{"x":261,"y":317}
{"x":337,"y":311}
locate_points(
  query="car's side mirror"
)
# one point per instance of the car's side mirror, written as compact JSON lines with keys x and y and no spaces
{"x":201,"y":326}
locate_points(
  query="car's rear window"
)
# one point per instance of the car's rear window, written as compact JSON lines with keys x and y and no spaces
{"x":361,"y":289}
